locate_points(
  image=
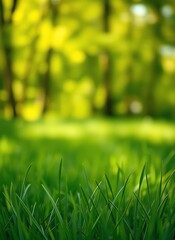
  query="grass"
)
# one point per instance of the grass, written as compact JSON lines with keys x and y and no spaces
{"x":93,"y":179}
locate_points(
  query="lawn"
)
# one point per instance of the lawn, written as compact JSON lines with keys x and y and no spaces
{"x":88,"y":179}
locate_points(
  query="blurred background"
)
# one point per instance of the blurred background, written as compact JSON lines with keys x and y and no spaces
{"x":83,"y":58}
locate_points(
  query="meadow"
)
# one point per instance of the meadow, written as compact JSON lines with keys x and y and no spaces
{"x":87,"y":179}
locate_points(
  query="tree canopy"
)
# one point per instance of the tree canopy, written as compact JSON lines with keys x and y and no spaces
{"x":81,"y":58}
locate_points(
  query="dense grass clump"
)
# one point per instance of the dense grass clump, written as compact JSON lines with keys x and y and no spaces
{"x":108,"y":185}
{"x":108,"y":211}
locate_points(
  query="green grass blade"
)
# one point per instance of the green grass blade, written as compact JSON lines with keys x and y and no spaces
{"x":141,"y":204}
{"x":167,"y":181}
{"x":24,"y":181}
{"x":54,"y":206}
{"x":31,"y":216}
{"x":109,"y":185}
{"x":141,"y":177}
{"x":162,"y":205}
{"x":97,"y":220}
{"x":123,"y":217}
{"x":148,"y":190}
{"x":26,"y":190}
{"x":59,"y":183}
{"x":85,"y":198}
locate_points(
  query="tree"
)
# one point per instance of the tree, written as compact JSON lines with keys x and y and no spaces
{"x":46,"y":81}
{"x":5,"y":31}
{"x":107,"y":61}
{"x":156,"y":66}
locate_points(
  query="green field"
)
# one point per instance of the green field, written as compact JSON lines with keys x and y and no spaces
{"x":88,"y":179}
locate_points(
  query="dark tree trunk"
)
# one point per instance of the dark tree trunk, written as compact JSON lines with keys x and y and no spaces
{"x":107,"y":62}
{"x":156,"y":66}
{"x":53,"y":7}
{"x":46,"y":81}
{"x":9,"y":81}
{"x":5,"y":25}
{"x":1,"y":14}
{"x":108,"y":108}
{"x":155,"y":73}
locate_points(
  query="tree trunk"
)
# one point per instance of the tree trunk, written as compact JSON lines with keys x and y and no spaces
{"x":106,"y":62}
{"x":5,"y":25}
{"x":9,"y":80}
{"x":156,"y":71}
{"x":46,"y":81}
{"x":156,"y":67}
{"x":53,"y":7}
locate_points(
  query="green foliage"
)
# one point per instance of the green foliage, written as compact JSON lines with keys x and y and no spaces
{"x":70,"y":57}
